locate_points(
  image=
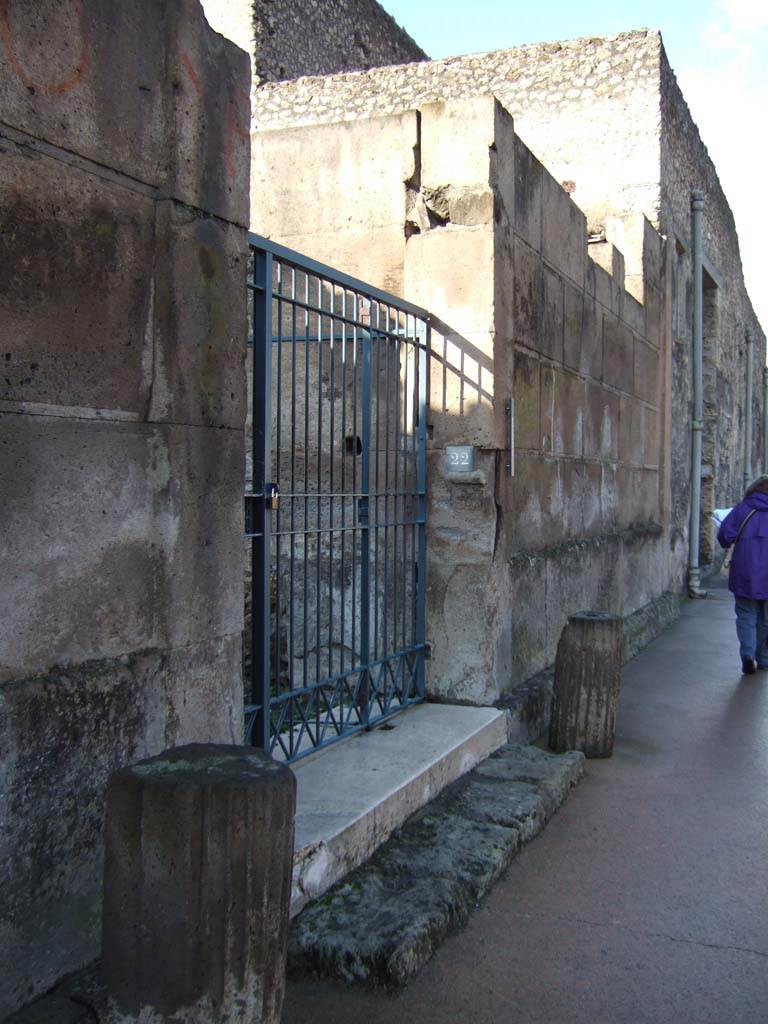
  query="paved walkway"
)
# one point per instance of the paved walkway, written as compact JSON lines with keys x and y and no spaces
{"x":646,"y":899}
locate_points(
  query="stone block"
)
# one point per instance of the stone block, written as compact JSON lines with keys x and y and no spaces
{"x":197,"y":883}
{"x":529,"y":620}
{"x":654,"y":312}
{"x":569,"y":411}
{"x":461,"y":602}
{"x":58,"y":73}
{"x":180,"y":117}
{"x":609,"y":495}
{"x":572,"y":483}
{"x":462,"y":516}
{"x":601,"y":423}
{"x":592,"y":506}
{"x":449,"y":271}
{"x":600,"y":285}
{"x":547,"y":404}
{"x":650,"y":433}
{"x":138,"y":537}
{"x":528,"y":287}
{"x":538,"y":503}
{"x":371,"y":196}
{"x":591,"y":350}
{"x":76,"y":261}
{"x":528,"y":189}
{"x":62,"y":732}
{"x":456,"y":137}
{"x":200,"y":318}
{"x":618,"y":354}
{"x":633,"y":314}
{"x":646,"y":371}
{"x":552,"y":327}
{"x":564,"y":231}
{"x":208,"y":81}
{"x":573,"y":327}
{"x":631,"y":440}
{"x":527,"y":391}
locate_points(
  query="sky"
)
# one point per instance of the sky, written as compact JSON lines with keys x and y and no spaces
{"x":717,"y":48}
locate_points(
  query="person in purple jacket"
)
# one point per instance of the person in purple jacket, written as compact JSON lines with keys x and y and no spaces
{"x":746,"y":526}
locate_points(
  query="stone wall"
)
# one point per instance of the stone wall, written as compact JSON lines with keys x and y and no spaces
{"x":312,"y":37}
{"x":123,"y":204}
{"x":563,"y":97}
{"x":462,"y":219}
{"x":606,"y":118}
{"x":728,"y":314}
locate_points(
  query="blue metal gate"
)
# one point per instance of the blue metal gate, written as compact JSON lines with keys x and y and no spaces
{"x":335,"y":503}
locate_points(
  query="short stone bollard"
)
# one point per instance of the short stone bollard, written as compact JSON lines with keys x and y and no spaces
{"x":587,"y":680}
{"x":197,"y":885}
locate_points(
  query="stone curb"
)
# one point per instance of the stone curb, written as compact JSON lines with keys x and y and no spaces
{"x":382,"y":923}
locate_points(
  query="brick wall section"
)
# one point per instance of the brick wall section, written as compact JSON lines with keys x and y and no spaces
{"x":123,"y":207}
{"x":563,"y":97}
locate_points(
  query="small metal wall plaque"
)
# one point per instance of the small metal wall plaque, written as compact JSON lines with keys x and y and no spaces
{"x":459,"y":458}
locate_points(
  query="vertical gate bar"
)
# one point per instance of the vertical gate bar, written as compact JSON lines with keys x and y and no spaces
{"x":365,"y":597}
{"x":332,"y":497}
{"x":277,"y":454}
{"x":343,"y":484}
{"x":318,"y":500}
{"x":387,"y":418}
{"x":305,"y":488}
{"x":414,"y":493}
{"x":355,"y":365}
{"x":396,"y":456}
{"x":424,"y":369}
{"x":260,"y":545}
{"x":376,"y":513}
{"x":406,"y":531}
{"x":292,"y":613}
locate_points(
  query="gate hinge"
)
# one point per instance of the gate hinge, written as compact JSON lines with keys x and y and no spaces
{"x":427,"y":652}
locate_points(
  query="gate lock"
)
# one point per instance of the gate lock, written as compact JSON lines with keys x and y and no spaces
{"x":271,"y":496}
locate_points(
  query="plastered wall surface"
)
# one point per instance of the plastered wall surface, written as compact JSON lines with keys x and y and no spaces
{"x":123,"y":207}
{"x":544,"y":323}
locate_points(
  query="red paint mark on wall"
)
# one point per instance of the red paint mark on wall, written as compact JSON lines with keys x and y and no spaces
{"x":238,"y":125}
{"x":35,"y":86}
{"x":194,"y":78}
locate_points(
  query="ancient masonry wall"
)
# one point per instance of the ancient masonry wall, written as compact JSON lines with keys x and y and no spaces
{"x":728,"y":313}
{"x":312,"y":37}
{"x":123,"y":208}
{"x":588,"y":108}
{"x":463,"y":220}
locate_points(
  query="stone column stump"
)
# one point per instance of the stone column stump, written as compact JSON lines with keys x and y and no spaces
{"x":587,"y":680}
{"x":197,"y":884}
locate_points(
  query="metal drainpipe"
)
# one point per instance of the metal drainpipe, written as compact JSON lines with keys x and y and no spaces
{"x":748,"y":411}
{"x":697,"y":425}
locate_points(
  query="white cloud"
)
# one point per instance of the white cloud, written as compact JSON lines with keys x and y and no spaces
{"x":727,"y":91}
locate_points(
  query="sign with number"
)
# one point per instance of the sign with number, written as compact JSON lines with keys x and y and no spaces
{"x":459,"y":458}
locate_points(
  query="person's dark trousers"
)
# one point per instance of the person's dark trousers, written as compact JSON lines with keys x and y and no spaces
{"x":752,"y":630}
